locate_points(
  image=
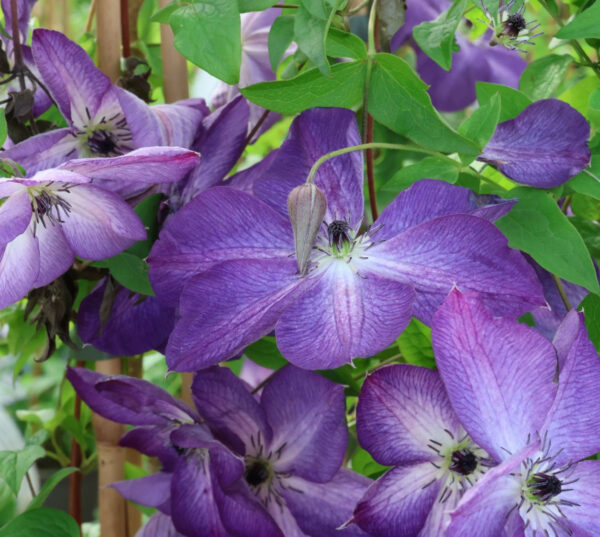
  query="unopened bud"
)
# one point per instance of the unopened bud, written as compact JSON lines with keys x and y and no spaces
{"x":307,"y":205}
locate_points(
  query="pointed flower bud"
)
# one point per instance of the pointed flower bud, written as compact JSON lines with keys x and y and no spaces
{"x":307,"y":205}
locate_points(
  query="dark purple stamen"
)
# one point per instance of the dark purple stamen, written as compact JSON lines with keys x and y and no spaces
{"x":514,"y":24}
{"x":463,"y":462}
{"x":338,"y":233}
{"x":102,"y":142}
{"x":545,"y":486}
{"x":256,"y":473}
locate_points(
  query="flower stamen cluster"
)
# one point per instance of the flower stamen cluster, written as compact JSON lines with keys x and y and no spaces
{"x":107,"y":137}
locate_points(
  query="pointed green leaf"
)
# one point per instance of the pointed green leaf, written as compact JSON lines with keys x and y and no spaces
{"x":586,"y":24}
{"x":512,"y":101}
{"x":543,"y":76}
{"x":49,"y":486}
{"x":281,"y":36}
{"x":41,"y":523}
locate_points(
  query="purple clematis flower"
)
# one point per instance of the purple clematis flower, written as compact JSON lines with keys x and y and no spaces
{"x":405,"y":420}
{"x":104,"y":120}
{"x":544,"y":146}
{"x":534,"y":407}
{"x":475,"y":61}
{"x":268,"y":467}
{"x":57,"y":214}
{"x":232,"y":255}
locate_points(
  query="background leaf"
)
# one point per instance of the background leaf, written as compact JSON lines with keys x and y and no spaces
{"x":49,"y":486}
{"x":512,"y":101}
{"x":543,"y":76}
{"x":41,"y":523}
{"x":130,"y":271}
{"x":586,"y":24}
{"x":281,"y":36}
{"x":537,"y":226}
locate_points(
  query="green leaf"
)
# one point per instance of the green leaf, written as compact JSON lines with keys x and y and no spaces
{"x":590,"y":233}
{"x":363,"y":463}
{"x":436,"y":38}
{"x":164,"y":14}
{"x":41,"y":523}
{"x":49,"y":486}
{"x":491,"y":5}
{"x":398,"y":99}
{"x":208,"y":33}
{"x":543,"y":76}
{"x":481,"y":124}
{"x":595,"y":99}
{"x":344,"y":89}
{"x":311,"y":24}
{"x":147,"y":210}
{"x":130,"y":271}
{"x":415,"y":344}
{"x":280,"y":37}
{"x":255,"y":5}
{"x":591,"y":308}
{"x":344,"y":45}
{"x":584,"y":183}
{"x":512,"y":101}
{"x":343,"y":375}
{"x":8,"y":503}
{"x":537,"y":226}
{"x":430,"y":167}
{"x":265,"y":352}
{"x":14,"y":465}
{"x":3,"y":127}
{"x":586,"y":207}
{"x":586,"y":24}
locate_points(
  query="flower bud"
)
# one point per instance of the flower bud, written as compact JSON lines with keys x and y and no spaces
{"x":307,"y":205}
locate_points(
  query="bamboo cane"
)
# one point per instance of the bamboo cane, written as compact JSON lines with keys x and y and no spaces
{"x":134,"y":515}
{"x":175,"y":74}
{"x":108,"y":24}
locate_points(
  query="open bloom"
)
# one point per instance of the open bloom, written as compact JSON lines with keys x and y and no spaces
{"x":475,"y":61}
{"x":534,"y":407}
{"x":233,"y":256}
{"x":405,"y":420}
{"x":268,"y":467}
{"x":57,"y":214}
{"x":103,"y":119}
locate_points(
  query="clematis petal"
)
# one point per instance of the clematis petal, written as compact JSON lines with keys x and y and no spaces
{"x":136,"y":324}
{"x":76,"y":84}
{"x":218,"y":225}
{"x":153,"y":490}
{"x":212,"y":329}
{"x":181,"y":120}
{"x":24,"y":8}
{"x":313,"y":133}
{"x":400,"y":410}
{"x":56,"y":256}
{"x":461,"y":250}
{"x":127,"y":399}
{"x":138,"y":169}
{"x":159,"y":525}
{"x":343,"y":316}
{"x":154,"y":441}
{"x":585,"y":514}
{"x":15,"y":214}
{"x":544,"y":146}
{"x":285,"y":520}
{"x":398,"y":503}
{"x":428,"y":199}
{"x":19,"y":268}
{"x":307,"y":414}
{"x":220,"y":143}
{"x":575,"y":427}
{"x":229,"y":409}
{"x":100,"y":223}
{"x":144,"y":125}
{"x":499,"y":373}
{"x":44,"y":151}
{"x":321,"y":508}
{"x":193,"y":500}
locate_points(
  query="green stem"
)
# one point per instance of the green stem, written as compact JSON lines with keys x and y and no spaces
{"x":372,"y":145}
{"x":561,"y":292}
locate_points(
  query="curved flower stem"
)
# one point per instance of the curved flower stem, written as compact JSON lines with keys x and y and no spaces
{"x":372,"y":145}
{"x":16,"y":36}
{"x":562,"y":292}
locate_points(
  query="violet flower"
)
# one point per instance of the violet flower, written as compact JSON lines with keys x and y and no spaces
{"x":232,"y":255}
{"x":475,"y":61}
{"x":57,"y":214}
{"x":544,"y":146}
{"x":533,"y":406}
{"x":103,"y":120}
{"x":405,"y":420}
{"x":279,"y":474}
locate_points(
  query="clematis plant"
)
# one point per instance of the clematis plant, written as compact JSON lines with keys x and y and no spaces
{"x":532,"y":406}
{"x":361,"y":288}
{"x":244,"y":466}
{"x":57,"y":214}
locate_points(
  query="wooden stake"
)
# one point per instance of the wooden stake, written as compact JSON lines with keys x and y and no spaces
{"x":108,"y":24}
{"x":175,"y":74}
{"x":111,"y":461}
{"x":134,"y":515}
